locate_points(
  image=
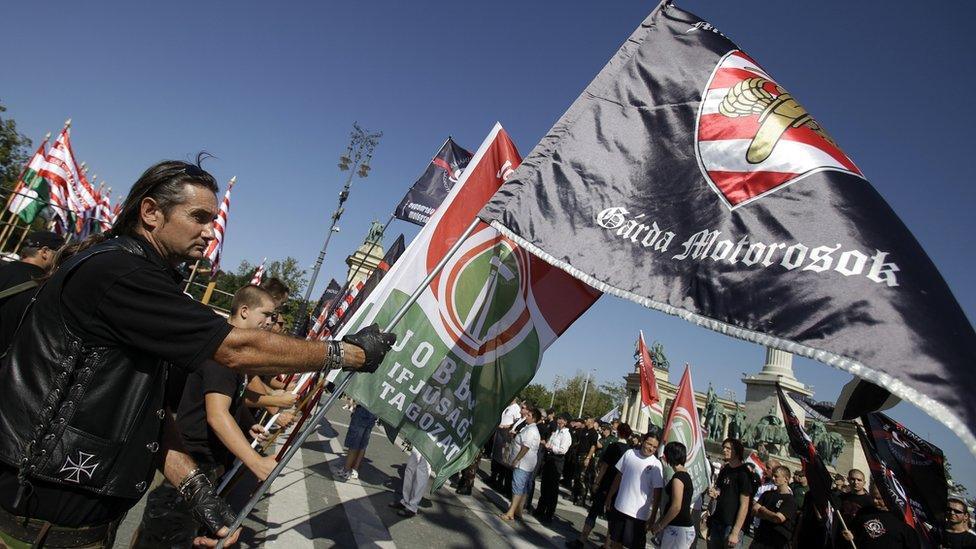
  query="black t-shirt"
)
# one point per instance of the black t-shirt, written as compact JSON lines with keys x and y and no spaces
{"x":851,"y":503}
{"x":683,"y":518}
{"x":118,"y":298}
{"x":732,"y":482}
{"x":876,"y":529}
{"x":959,"y":540}
{"x":770,"y":533}
{"x":611,"y":455}
{"x":198,"y":438}
{"x":13,"y":307}
{"x":587,"y":439}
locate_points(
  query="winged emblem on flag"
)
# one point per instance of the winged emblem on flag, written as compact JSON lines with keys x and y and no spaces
{"x":753,"y":137}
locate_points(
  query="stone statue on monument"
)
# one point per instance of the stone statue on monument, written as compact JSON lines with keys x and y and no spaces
{"x":714,"y":423}
{"x":375,"y":234}
{"x":737,"y":424}
{"x":657,"y":356}
{"x":829,"y":445}
{"x":769,"y":431}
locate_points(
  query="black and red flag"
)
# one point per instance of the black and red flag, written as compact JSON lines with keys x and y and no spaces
{"x":910,"y":469}
{"x":687,"y":179}
{"x":432,"y":186}
{"x":820,"y":496}
{"x":324,"y":304}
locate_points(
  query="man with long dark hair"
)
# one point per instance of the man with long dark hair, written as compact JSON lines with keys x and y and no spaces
{"x":733,"y":492}
{"x":83,"y":420}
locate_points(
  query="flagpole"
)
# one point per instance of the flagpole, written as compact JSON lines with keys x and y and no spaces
{"x":585,"y":386}
{"x":266,"y":485}
{"x":193,"y":273}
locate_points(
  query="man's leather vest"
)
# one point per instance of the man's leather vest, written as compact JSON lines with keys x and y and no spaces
{"x":74,"y":413}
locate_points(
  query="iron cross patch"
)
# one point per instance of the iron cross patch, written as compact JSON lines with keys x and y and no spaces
{"x":753,"y":138}
{"x":82,"y":466}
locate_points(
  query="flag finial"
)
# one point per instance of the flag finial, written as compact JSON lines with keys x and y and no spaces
{"x":47,"y":136}
{"x":67,"y":123}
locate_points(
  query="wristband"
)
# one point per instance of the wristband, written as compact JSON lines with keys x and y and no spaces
{"x":334,"y":355}
{"x":185,"y":483}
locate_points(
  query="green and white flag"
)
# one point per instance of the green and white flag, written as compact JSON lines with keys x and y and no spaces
{"x":476,"y":335}
{"x":32,"y":191}
{"x":684,"y":426}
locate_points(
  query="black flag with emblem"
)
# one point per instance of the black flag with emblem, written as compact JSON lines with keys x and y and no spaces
{"x":916,"y":465}
{"x":685,"y":178}
{"x":432,"y":186}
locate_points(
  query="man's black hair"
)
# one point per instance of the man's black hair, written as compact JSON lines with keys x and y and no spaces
{"x":164,"y":182}
{"x":738,"y":449}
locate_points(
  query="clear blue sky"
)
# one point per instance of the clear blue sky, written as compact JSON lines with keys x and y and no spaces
{"x":273,"y":91}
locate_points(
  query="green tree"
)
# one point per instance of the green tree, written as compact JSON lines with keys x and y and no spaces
{"x":14,"y":151}
{"x":599,"y":400}
{"x":537,"y":394}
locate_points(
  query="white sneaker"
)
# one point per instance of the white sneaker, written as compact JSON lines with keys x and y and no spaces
{"x":352,"y":474}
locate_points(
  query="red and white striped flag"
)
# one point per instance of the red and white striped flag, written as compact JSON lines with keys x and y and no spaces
{"x":103,"y":212}
{"x":258,"y":274}
{"x":61,"y":171}
{"x":325,"y":329}
{"x":220,"y":227}
{"x":651,"y":404}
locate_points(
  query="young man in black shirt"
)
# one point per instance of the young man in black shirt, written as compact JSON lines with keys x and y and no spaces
{"x":733,"y":494}
{"x":83,"y":421}
{"x":875,"y":527}
{"x":957,"y":534}
{"x":586,"y":448}
{"x":207,"y":418}
{"x":776,"y":511}
{"x":37,"y":254}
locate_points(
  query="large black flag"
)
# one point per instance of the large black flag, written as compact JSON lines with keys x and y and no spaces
{"x":433,"y":185}
{"x":686,"y":179}
{"x":917,"y":465}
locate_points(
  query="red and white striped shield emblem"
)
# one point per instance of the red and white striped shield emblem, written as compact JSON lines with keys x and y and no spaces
{"x":754,"y":138}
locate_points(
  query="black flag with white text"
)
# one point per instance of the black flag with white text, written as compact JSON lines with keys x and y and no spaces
{"x":432,"y":186}
{"x":687,"y":179}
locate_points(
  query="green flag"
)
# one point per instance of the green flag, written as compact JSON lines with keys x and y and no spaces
{"x":476,"y":335}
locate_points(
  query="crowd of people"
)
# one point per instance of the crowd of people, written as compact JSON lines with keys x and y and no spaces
{"x":110,"y":373}
{"x":644,"y":490}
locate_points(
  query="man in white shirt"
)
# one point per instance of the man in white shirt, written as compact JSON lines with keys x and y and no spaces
{"x":635,"y":494}
{"x":552,"y":468}
{"x":525,"y":455}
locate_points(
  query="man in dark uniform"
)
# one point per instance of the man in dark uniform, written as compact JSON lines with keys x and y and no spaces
{"x":37,"y":255}
{"x":82,"y":386}
{"x":586,"y":448}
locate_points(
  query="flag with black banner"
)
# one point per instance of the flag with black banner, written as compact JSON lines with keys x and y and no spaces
{"x":819,"y":497}
{"x":687,"y":179}
{"x":432,"y":186}
{"x":916,"y":466}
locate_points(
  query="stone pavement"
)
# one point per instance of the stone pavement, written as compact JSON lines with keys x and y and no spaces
{"x":307,"y":508}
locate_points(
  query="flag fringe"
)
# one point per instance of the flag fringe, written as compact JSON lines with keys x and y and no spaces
{"x":932,"y":407}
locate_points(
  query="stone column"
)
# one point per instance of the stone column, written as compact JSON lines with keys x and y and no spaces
{"x":761,"y":387}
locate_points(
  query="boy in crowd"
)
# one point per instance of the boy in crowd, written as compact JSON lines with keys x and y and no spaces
{"x":776,"y":511}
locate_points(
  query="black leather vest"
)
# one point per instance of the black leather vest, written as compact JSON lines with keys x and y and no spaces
{"x":77,"y":414}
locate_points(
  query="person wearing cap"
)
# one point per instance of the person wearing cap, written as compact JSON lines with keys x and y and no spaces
{"x":19,"y":279}
{"x":83,"y":420}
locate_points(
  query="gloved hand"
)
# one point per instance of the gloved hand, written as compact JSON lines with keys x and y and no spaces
{"x":208,"y":509}
{"x":374,"y":343}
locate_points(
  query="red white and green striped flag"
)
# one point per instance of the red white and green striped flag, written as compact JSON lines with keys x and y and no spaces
{"x":476,"y":335}
{"x":32,"y":191}
{"x":61,"y":171}
{"x":212,"y":253}
{"x":684,"y":426}
{"x":651,"y":404}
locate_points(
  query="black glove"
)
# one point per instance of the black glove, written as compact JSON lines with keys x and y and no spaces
{"x":208,"y":509}
{"x":374,"y":343}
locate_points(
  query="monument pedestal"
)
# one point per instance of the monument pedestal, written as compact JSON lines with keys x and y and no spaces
{"x":761,"y":387}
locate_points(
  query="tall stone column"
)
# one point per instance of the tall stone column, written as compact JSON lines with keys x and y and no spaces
{"x":761,"y":387}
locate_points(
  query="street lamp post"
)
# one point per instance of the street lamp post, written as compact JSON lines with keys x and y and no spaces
{"x":586,"y":385}
{"x":356,"y":162}
{"x":552,"y":398}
